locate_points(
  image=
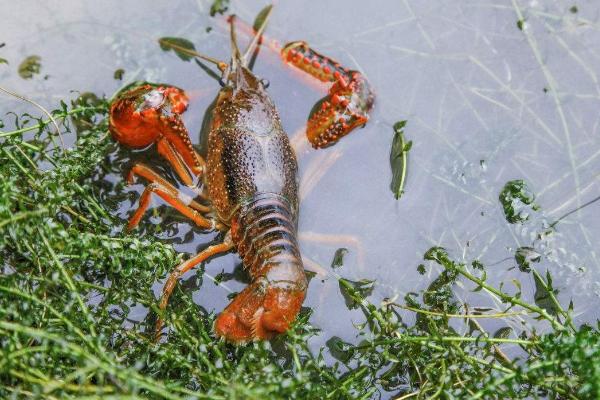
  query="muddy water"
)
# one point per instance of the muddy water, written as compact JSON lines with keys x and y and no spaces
{"x":487,"y":100}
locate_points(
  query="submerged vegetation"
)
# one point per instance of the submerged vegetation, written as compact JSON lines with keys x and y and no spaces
{"x":70,"y":281}
{"x":399,"y":159}
{"x":514,"y":197}
{"x":29,"y":67}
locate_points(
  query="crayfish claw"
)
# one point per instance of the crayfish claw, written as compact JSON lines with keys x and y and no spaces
{"x":349,"y":101}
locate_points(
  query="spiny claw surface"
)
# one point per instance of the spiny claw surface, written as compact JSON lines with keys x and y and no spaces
{"x":144,"y":114}
{"x":347,"y":104}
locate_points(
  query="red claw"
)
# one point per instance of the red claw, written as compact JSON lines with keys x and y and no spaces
{"x":349,"y":101}
{"x":147,"y":114}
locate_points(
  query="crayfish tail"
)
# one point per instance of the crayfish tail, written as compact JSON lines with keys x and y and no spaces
{"x":265,"y":234}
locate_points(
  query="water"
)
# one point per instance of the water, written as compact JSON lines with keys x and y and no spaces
{"x":487,"y":100}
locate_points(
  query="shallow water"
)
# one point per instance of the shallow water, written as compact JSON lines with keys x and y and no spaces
{"x":486,"y":102}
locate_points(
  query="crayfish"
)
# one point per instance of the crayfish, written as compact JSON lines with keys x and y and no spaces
{"x":247,"y":185}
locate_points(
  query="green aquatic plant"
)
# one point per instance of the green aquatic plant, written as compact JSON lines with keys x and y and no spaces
{"x":517,"y":200}
{"x":3,"y":60}
{"x":30,"y":66}
{"x":118,"y":74}
{"x":219,"y":6}
{"x":338,"y":257}
{"x":71,"y":281}
{"x":399,"y":159}
{"x":182,"y":47}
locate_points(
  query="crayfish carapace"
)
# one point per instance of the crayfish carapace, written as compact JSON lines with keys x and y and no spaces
{"x":248,"y":183}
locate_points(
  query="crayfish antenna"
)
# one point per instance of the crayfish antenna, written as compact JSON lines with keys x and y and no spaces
{"x":256,"y":39}
{"x":165,"y":43}
{"x":236,"y":56}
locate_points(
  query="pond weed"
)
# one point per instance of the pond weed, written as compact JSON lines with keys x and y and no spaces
{"x":70,"y":281}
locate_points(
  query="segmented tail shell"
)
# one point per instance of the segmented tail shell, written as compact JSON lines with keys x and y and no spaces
{"x":265,"y":234}
{"x":345,"y":107}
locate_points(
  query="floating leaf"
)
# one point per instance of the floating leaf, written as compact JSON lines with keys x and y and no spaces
{"x":219,"y":6}
{"x":548,"y":279}
{"x":439,"y":295}
{"x":85,"y":121}
{"x":479,"y":287}
{"x":261,"y":17}
{"x":310,"y":275}
{"x":440,"y":256}
{"x":232,"y":295}
{"x":355,"y":291}
{"x":182,"y":47}
{"x":399,"y":159}
{"x":338,"y":257}
{"x":571,"y":307}
{"x":515,"y":198}
{"x":29,"y":67}
{"x":543,"y":296}
{"x":473,"y":326}
{"x":219,"y":277}
{"x":476,"y":264}
{"x":339,"y":349}
{"x":526,"y":255}
{"x":3,"y":60}
{"x":573,"y":10}
{"x":518,"y":286}
{"x":503,"y":333}
{"x":119,"y":74}
{"x":520,"y":24}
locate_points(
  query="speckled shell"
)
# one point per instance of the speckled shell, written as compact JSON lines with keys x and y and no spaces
{"x":348,"y":104}
{"x":249,"y":153}
{"x":252,"y":183}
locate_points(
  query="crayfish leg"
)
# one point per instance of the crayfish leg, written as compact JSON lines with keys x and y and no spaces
{"x":141,"y":169}
{"x":305,"y":58}
{"x":173,"y":200}
{"x":182,"y":269}
{"x":171,"y":195}
{"x":180,"y":149}
{"x":168,"y":151}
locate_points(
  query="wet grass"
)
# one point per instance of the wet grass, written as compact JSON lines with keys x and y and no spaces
{"x":69,"y":281}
